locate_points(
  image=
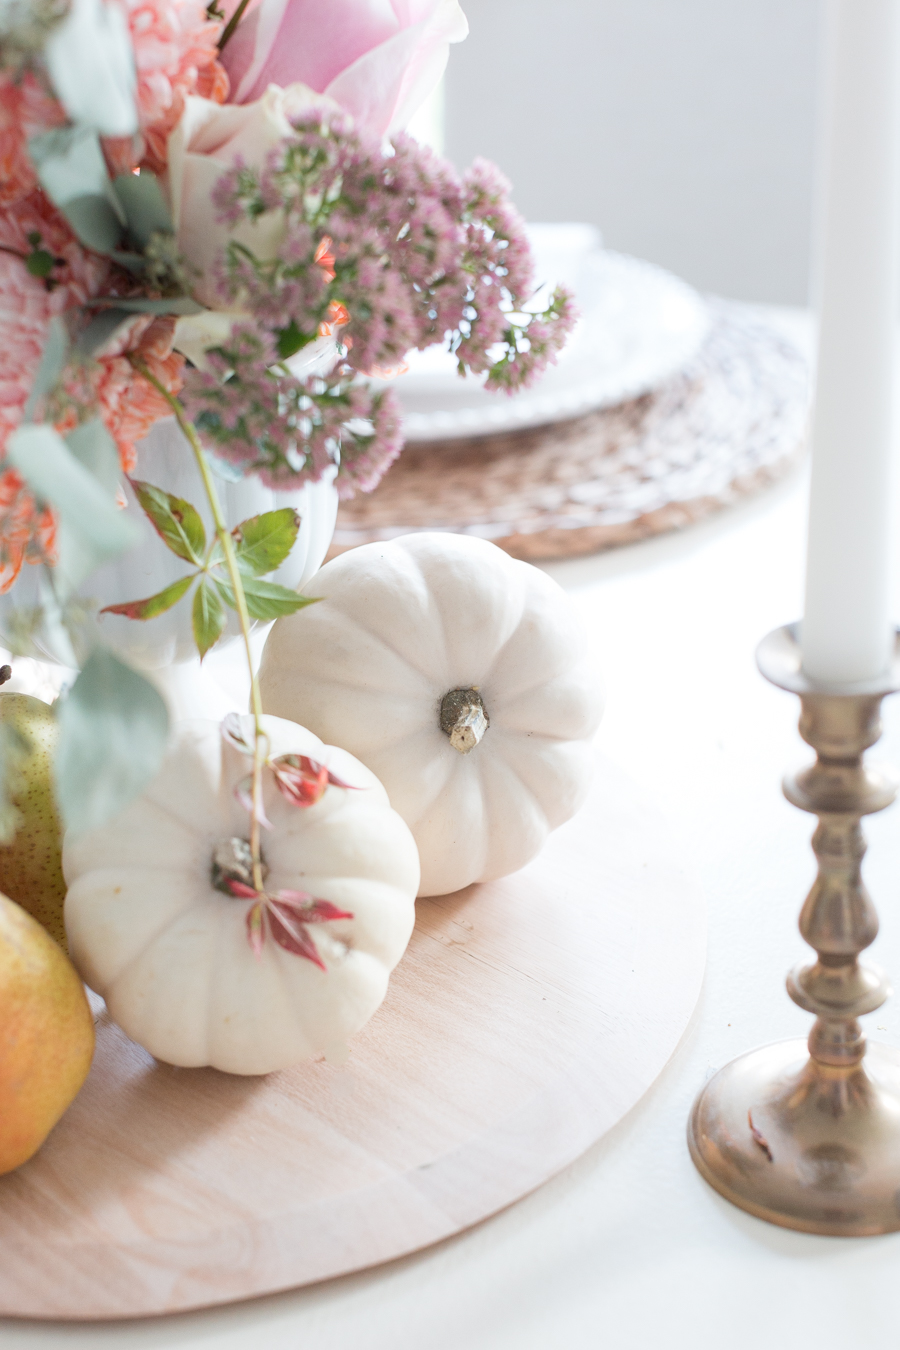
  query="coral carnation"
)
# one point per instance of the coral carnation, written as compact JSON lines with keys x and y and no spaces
{"x":25,"y":109}
{"x":129,"y":404}
{"x":176,"y":54}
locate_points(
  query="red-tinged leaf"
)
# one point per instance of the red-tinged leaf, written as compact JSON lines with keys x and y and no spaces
{"x":176,"y":522}
{"x":256,"y":932}
{"x":154,"y":604}
{"x":239,"y":889}
{"x":244,"y":793}
{"x":303,"y":780}
{"x":302,"y":785}
{"x":232,"y":730}
{"x":309,"y":909}
{"x":290,"y":934}
{"x":299,"y":900}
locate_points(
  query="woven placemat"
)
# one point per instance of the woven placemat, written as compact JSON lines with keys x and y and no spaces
{"x":727,"y":426}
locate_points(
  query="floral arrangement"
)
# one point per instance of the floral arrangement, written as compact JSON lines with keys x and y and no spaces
{"x":213,"y":213}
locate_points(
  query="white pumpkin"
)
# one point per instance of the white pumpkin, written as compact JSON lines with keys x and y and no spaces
{"x":458,"y":675}
{"x":172,"y":955}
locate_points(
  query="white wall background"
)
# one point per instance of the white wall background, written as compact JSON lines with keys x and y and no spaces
{"x":683,"y":128}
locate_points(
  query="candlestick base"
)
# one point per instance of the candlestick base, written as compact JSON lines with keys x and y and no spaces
{"x":802,"y":1144}
{"x":807,"y":1134}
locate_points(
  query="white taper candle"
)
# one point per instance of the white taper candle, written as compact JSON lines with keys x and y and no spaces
{"x":846,"y":631}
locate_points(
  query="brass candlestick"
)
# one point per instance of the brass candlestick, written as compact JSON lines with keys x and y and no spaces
{"x":807,"y":1135}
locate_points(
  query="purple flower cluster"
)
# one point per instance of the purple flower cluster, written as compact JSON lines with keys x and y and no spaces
{"x":385,"y":250}
{"x":290,"y":430}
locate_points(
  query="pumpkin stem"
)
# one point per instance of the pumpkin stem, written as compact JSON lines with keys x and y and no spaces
{"x":464,"y":718}
{"x":223,"y":534}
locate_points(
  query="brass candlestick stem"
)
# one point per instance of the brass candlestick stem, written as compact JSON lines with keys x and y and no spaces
{"x":807,"y":1135}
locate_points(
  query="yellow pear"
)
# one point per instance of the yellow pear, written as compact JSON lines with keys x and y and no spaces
{"x":31,"y":864}
{"x":46,"y":1034}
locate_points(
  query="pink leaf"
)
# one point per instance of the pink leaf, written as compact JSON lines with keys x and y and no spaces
{"x":303,"y":780}
{"x":255,"y":928}
{"x":295,"y":899}
{"x":239,"y":890}
{"x":311,"y":910}
{"x":244,"y":794}
{"x":233,"y":732}
{"x":292,"y":935}
{"x":339,"y":782}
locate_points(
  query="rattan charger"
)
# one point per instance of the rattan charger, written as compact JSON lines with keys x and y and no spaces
{"x":730,"y":424}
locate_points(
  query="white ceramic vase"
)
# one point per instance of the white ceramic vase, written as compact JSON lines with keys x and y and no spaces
{"x":164,"y":646}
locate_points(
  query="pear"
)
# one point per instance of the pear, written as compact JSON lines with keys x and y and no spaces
{"x":31,"y":864}
{"x":46,"y":1034}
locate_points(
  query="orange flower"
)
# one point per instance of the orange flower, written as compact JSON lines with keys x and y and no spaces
{"x":338,"y":316}
{"x":129,"y":405}
{"x":325,"y":258}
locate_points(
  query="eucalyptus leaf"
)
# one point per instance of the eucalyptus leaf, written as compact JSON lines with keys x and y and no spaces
{"x":146,"y":209}
{"x":90,"y":61}
{"x":92,"y":528}
{"x":94,"y":221}
{"x":70,"y":163}
{"x":100,"y":329}
{"x":132,"y":262}
{"x":176,"y":522}
{"x":265,"y":599}
{"x":72,"y":170}
{"x":178,"y":304}
{"x":154,"y":604}
{"x":92,"y":446}
{"x":208,"y":617}
{"x":113,"y":727}
{"x":52,"y":364}
{"x":263,"y":542}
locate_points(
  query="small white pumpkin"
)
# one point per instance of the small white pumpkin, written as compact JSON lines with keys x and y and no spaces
{"x":172,"y":954}
{"x":458,"y":675}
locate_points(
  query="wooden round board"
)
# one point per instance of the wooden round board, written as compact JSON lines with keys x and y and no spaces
{"x":527,"y":1017}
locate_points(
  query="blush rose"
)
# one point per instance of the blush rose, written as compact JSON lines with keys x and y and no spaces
{"x":379,"y":59}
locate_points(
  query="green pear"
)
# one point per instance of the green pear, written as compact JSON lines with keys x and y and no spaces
{"x":46,"y":1033}
{"x":31,"y":865}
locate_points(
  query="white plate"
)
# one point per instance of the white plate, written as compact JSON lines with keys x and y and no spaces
{"x":640,"y":326}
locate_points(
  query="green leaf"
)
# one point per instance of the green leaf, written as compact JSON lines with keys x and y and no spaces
{"x":265,"y":599}
{"x":290,"y":340}
{"x":90,"y":61}
{"x":177,"y":523}
{"x":53,"y":361}
{"x":92,"y":446}
{"x":155,"y":604}
{"x":94,"y":221}
{"x":100,"y":329}
{"x":72,"y":171}
{"x":146,"y":210}
{"x":179,"y":304}
{"x":113,"y":727}
{"x":263,"y":542}
{"x":92,"y":528}
{"x":208,"y":618}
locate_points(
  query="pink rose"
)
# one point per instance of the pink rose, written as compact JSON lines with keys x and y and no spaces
{"x":379,"y":59}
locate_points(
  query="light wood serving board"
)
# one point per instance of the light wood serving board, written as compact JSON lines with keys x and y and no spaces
{"x":527,"y":1017}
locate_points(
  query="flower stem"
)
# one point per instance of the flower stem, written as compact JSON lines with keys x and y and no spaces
{"x":223,"y":534}
{"x":232,"y":24}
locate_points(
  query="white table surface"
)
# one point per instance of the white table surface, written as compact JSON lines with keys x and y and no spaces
{"x":629,"y":1248}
